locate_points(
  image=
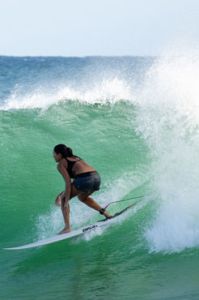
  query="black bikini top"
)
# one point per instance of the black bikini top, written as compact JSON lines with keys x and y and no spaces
{"x":71,"y":165}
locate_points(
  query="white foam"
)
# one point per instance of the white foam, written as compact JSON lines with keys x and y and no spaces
{"x":105,"y":91}
{"x":168,"y":120}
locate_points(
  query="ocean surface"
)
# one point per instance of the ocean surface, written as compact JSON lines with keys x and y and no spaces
{"x":136,"y":120}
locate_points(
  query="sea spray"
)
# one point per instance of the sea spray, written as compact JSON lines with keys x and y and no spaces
{"x":168,"y":120}
{"x":102,"y":92}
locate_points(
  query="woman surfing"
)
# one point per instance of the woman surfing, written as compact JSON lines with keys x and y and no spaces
{"x":81,"y":180}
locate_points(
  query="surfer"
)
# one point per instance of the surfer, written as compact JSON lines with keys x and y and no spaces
{"x":81,"y":180}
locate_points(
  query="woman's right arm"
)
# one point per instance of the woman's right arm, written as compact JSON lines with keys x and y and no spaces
{"x":62,"y":169}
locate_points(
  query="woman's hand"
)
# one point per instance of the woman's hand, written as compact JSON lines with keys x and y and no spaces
{"x":62,"y":169}
{"x":59,"y":198}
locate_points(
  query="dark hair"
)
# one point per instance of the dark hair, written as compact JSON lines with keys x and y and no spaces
{"x":63,"y":150}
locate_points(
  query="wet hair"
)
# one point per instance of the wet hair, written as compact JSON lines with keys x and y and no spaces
{"x":63,"y":150}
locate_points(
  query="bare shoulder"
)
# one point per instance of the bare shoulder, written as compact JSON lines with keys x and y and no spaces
{"x":62,"y":163}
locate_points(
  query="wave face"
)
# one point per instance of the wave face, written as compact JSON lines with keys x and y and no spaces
{"x":135,"y":119}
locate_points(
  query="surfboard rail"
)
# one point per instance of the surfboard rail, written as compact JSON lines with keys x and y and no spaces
{"x":74,"y":233}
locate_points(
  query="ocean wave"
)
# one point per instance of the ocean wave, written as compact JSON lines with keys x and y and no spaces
{"x":106,"y":91}
{"x":167,"y":118}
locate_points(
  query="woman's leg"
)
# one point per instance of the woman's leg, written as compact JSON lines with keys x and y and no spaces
{"x":66,"y":216}
{"x":92,"y":203}
{"x":66,"y":209}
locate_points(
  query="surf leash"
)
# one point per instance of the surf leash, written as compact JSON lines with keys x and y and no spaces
{"x":102,"y":210}
{"x":132,"y":198}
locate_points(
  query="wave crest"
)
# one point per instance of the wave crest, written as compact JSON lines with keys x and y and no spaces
{"x":106,"y":91}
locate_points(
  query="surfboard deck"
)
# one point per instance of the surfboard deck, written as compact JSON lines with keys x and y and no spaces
{"x":74,"y":233}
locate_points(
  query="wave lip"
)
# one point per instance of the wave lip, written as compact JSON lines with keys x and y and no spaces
{"x":168,"y":120}
{"x":106,"y":91}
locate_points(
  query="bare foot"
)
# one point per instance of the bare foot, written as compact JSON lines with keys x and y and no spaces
{"x":65,"y":230}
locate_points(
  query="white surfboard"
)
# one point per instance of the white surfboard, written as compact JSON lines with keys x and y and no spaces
{"x":71,"y":234}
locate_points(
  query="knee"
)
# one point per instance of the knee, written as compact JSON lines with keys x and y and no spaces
{"x":58,"y":201}
{"x":82,"y":197}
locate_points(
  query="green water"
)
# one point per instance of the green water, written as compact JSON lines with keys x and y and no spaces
{"x":114,"y":264}
{"x":134,"y":119}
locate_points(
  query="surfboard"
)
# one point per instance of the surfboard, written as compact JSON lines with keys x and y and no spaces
{"x":74,"y":233}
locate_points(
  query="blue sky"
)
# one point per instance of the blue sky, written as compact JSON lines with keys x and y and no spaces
{"x":96,"y":27}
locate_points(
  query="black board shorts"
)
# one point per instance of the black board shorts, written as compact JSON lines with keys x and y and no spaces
{"x":87,"y":182}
